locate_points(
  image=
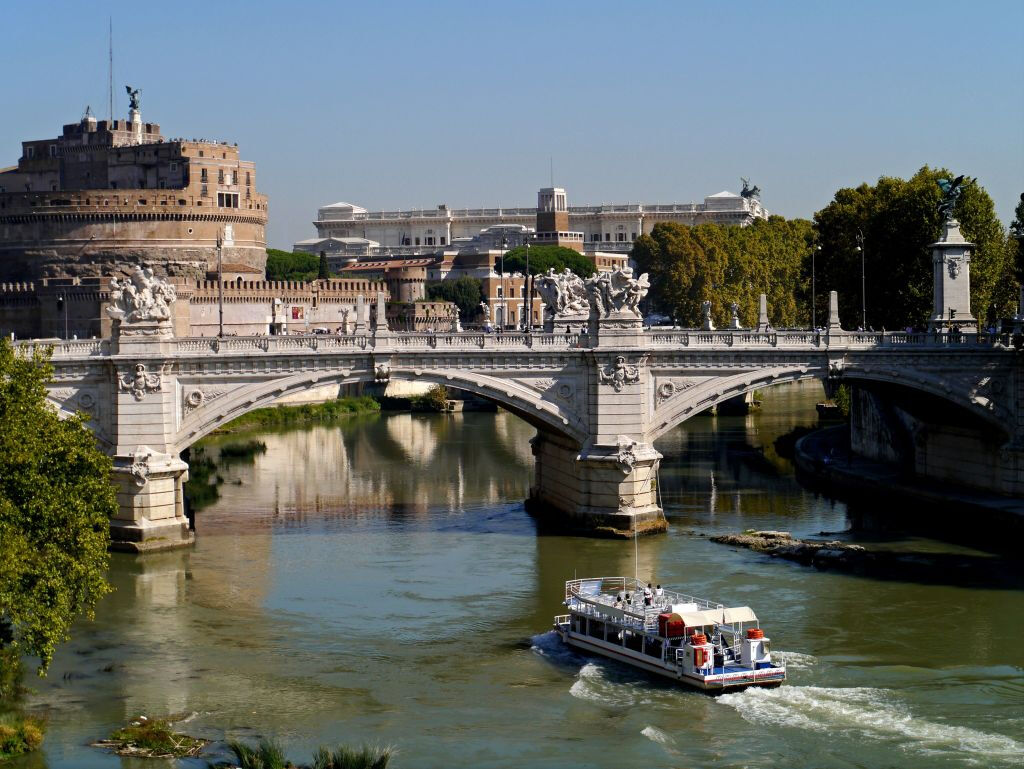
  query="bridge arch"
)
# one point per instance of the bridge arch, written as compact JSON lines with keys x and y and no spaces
{"x":699,"y":398}
{"x":526,"y":403}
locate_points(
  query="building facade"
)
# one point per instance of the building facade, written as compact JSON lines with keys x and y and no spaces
{"x":605,"y":227}
{"x":105,"y":196}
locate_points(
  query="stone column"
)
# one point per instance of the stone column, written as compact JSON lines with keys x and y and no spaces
{"x":147,"y":471}
{"x":380,"y":325}
{"x":951,"y":292}
{"x":762,"y":313}
{"x":360,"y":315}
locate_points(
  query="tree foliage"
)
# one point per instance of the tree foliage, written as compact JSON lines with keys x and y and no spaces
{"x":1015,"y":241}
{"x":286,"y":265}
{"x":726,"y":264}
{"x":56,"y":501}
{"x":466,"y":292}
{"x":543,"y":258}
{"x":899,"y":220}
{"x":323,"y":268}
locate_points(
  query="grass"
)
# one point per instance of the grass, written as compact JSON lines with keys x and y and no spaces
{"x":19,"y":734}
{"x":242,"y":452}
{"x":269,"y":755}
{"x":151,"y":738}
{"x":307,"y":413}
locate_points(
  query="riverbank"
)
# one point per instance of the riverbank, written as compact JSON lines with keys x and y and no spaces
{"x":824,"y":462}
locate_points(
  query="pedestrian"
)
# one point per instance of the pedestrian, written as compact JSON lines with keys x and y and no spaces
{"x":660,"y":593}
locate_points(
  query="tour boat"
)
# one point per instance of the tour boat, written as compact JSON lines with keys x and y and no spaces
{"x":691,"y":640}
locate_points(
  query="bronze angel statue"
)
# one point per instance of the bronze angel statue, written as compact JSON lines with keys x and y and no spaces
{"x":951,"y":192}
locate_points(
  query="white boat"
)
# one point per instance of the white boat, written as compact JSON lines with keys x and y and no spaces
{"x":690,"y":640}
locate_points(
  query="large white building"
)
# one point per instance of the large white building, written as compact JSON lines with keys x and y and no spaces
{"x":607,"y":227}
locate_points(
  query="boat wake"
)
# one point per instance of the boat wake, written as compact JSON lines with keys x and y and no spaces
{"x":654,"y":734}
{"x":795,"y":660}
{"x":869,"y":713}
{"x":550,"y":646}
{"x":599,"y":683}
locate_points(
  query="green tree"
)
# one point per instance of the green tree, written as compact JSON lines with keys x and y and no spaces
{"x":899,"y":220}
{"x":324,"y":269}
{"x":56,"y":501}
{"x":285,"y":265}
{"x":723,"y":265}
{"x":1015,"y":243}
{"x":466,"y":292}
{"x":543,"y":258}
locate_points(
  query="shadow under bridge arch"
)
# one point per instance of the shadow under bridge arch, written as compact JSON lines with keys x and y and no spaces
{"x":533,"y":407}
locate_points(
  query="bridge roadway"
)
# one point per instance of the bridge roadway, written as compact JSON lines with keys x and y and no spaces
{"x":598,"y":400}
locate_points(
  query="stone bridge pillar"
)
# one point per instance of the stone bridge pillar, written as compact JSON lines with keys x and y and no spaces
{"x":148,"y":473}
{"x":609,"y":485}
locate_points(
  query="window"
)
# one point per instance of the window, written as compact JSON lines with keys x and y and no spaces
{"x":162,"y":185}
{"x":405,"y":241}
{"x":203,"y":176}
{"x":174,"y":166}
{"x":430,"y":241}
{"x":597,"y":237}
{"x":522,"y":292}
{"x":227,"y":199}
{"x":500,"y":292}
{"x":200,"y":153}
{"x":442,"y":240}
{"x":220,"y":176}
{"x":53,"y":150}
{"x":247,"y":179}
{"x":113,"y":185}
{"x":634,"y":236}
{"x":417,"y":240}
{"x":607,"y":236}
{"x":204,"y":191}
{"x":30,"y":152}
{"x":620,"y":237}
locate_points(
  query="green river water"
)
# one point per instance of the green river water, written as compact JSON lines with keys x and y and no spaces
{"x":378,"y":581}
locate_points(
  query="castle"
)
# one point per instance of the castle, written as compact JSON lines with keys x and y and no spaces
{"x":105,"y":196}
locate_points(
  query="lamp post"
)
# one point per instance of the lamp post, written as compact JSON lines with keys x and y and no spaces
{"x":528,"y":294}
{"x":62,"y":303}
{"x":504,"y":295}
{"x":814,"y":294}
{"x":220,"y":283}
{"x":863,"y":292}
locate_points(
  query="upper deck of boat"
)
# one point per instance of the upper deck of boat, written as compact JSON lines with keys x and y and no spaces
{"x":598,"y":596}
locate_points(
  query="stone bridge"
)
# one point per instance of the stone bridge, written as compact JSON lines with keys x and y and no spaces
{"x":599,"y":397}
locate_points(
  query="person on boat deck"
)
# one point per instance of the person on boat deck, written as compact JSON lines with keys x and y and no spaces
{"x":659,"y":592}
{"x":629,"y":599}
{"x":617,"y":603}
{"x":648,"y":594}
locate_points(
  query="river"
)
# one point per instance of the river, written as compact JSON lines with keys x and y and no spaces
{"x":378,"y":581}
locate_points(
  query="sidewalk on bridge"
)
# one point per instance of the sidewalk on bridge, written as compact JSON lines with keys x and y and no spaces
{"x":856,"y":475}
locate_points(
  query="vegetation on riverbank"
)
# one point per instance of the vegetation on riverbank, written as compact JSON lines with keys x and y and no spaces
{"x":306,"y":413}
{"x":56,"y":502}
{"x":151,"y":738}
{"x":269,"y":755}
{"x":435,"y":399}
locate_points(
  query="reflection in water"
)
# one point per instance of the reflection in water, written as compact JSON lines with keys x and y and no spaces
{"x":379,"y":580}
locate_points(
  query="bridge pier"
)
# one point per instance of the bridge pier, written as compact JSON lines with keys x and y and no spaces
{"x":606,"y":491}
{"x":151,"y":503}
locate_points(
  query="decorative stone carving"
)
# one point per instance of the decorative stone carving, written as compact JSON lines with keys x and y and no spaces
{"x":140,"y":465}
{"x":616,"y":292}
{"x":142,"y":298}
{"x":735,"y":310}
{"x":541,"y":385}
{"x":625,"y":457}
{"x":671,"y":388}
{"x":196,"y":397}
{"x":619,"y":374}
{"x":382,"y":373}
{"x":563,"y":293}
{"x":954,"y":267}
{"x":139,"y":383}
{"x":86,"y":400}
{"x":565,"y":391}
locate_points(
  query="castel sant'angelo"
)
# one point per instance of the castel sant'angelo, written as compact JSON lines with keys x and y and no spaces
{"x":107,"y":195}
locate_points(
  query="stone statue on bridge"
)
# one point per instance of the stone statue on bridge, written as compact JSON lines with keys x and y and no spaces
{"x":617,"y":292}
{"x":141,"y":298}
{"x":563,"y":293}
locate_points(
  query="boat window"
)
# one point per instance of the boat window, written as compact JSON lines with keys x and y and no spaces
{"x":596,"y":629}
{"x":653,"y":648}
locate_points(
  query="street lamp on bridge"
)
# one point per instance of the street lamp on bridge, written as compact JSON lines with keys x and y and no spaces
{"x":814,"y":298}
{"x":504,"y":293}
{"x":863,"y":294}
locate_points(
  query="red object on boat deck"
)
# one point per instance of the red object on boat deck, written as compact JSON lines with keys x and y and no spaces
{"x":670,"y":625}
{"x":698,"y":639}
{"x":755,"y":632}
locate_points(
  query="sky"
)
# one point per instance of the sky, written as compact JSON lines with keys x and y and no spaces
{"x":413,"y":104}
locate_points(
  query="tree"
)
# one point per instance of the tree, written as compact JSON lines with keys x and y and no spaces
{"x":285,"y":265}
{"x":543,"y":258}
{"x":56,"y":501}
{"x":324,"y":268}
{"x":899,"y":220}
{"x":466,"y":292}
{"x":723,"y":265}
{"x":1015,"y":242}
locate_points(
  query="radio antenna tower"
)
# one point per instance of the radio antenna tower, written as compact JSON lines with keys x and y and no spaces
{"x":110,"y":70}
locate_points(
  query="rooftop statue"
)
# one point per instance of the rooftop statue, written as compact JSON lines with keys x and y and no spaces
{"x":617,"y":292}
{"x":748,"y":191}
{"x":563,"y":292}
{"x":143,"y":297}
{"x":951,"y":192}
{"x":133,"y":95}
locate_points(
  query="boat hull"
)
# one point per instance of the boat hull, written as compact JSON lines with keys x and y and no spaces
{"x":719,"y":682}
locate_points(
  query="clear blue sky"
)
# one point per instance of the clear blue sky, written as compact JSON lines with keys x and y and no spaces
{"x":411,"y":104}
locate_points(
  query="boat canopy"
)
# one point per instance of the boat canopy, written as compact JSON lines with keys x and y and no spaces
{"x":718,"y":616}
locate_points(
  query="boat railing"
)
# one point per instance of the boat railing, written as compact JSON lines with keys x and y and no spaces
{"x":562,"y":619}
